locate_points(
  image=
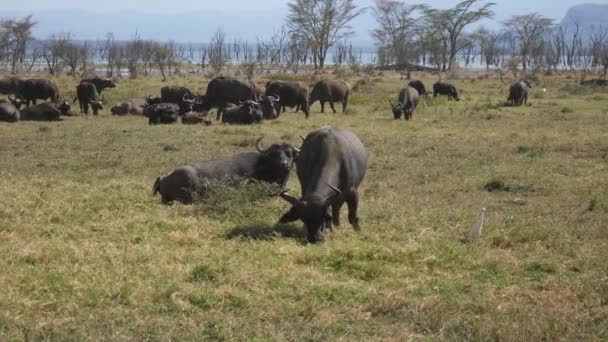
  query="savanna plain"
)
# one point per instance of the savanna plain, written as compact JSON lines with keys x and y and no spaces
{"x":86,"y":252}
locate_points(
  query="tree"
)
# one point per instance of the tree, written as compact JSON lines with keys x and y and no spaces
{"x":528,"y":29}
{"x":321,"y":23}
{"x":489,"y":45}
{"x":218,"y":54}
{"x":450,"y":24}
{"x":395,"y":33}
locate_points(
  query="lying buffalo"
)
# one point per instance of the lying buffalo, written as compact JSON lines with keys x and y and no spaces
{"x":291,"y":94}
{"x":419,"y":86}
{"x":34,"y":89}
{"x":596,"y":82}
{"x":271,"y":165}
{"x":249,"y":112}
{"x":8,"y":112}
{"x":179,"y":95}
{"x":132,"y":107}
{"x":269,"y":106}
{"x":444,"y":88}
{"x":161,"y":113}
{"x":406,"y":103}
{"x":331,"y":165}
{"x":330,"y":91}
{"x":100,"y":83}
{"x":47,"y":111}
{"x":86,"y":94}
{"x":518,"y":93}
{"x":224,"y":90}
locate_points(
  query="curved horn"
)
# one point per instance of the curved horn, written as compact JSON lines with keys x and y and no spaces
{"x":149,"y":98}
{"x":296,"y":150}
{"x":276,"y":98}
{"x":335,"y":189}
{"x":301,"y":137}
{"x":257,"y":144}
{"x":292,"y":200}
{"x":186,"y":100}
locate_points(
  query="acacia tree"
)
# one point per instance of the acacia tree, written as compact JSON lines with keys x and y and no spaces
{"x":395,"y":33}
{"x":451,"y":22}
{"x":321,"y":23}
{"x":528,"y":29}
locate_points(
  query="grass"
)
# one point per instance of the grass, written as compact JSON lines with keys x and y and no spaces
{"x":88,"y":253}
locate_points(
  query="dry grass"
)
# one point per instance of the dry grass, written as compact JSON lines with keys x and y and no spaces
{"x":87,"y":253}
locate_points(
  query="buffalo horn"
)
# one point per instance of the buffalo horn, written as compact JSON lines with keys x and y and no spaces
{"x":292,"y":200}
{"x":335,"y":189}
{"x":257,"y":144}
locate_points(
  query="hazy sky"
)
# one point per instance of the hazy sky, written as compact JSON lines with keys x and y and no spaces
{"x":550,"y":8}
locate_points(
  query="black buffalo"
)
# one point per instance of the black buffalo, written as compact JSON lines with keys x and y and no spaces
{"x":271,"y":165}
{"x":269,"y":106}
{"x":331,"y":165}
{"x":224,"y":90}
{"x":248,"y":112}
{"x":419,"y":86}
{"x":330,"y":91}
{"x":596,"y":82}
{"x":34,"y":89}
{"x":406,"y":103}
{"x":444,"y":88}
{"x":11,"y":86}
{"x":162,"y":113}
{"x":86,"y":94}
{"x":518,"y":93}
{"x":292,"y":94}
{"x":8,"y":112}
{"x":47,"y":111}
{"x":100,"y":83}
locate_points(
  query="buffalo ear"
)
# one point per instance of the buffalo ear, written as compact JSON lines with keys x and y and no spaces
{"x":292,"y":215}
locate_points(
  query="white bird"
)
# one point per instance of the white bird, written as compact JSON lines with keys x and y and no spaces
{"x":544,"y":90}
{"x":476,"y":227}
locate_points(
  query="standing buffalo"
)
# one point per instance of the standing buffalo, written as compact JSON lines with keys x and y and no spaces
{"x":292,"y":94}
{"x":444,"y":88}
{"x":222,"y":90}
{"x":47,"y":111}
{"x":419,"y":86}
{"x":406,"y":103}
{"x":331,"y":165}
{"x":100,"y":83}
{"x":518,"y":93}
{"x":330,"y":91}
{"x":271,"y":165}
{"x":86,"y":94}
{"x":249,"y":112}
{"x":8,"y":112}
{"x":11,"y":86}
{"x":132,"y":106}
{"x":33,"y":89}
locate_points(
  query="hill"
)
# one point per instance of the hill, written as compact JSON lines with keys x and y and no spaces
{"x":586,"y":15}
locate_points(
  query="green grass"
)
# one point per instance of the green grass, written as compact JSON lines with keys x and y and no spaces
{"x":87,"y":253}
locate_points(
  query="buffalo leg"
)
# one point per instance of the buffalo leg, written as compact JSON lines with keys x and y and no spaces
{"x":353,"y":203}
{"x":335,"y":212}
{"x":344,"y":104}
{"x":298,"y":108}
{"x":322,"y":107}
{"x":331,"y":104}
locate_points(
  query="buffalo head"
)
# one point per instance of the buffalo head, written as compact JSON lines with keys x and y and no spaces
{"x":269,"y":106}
{"x":397,"y":109}
{"x":17,"y":102}
{"x":278,"y":156}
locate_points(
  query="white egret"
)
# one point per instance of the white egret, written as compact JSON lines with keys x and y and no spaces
{"x":476,"y":227}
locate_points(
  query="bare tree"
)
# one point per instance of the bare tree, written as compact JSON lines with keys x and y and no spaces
{"x":218,"y":51}
{"x":528,"y":29}
{"x":450,"y":23}
{"x":489,"y":45}
{"x":53,"y":50}
{"x":321,"y":23}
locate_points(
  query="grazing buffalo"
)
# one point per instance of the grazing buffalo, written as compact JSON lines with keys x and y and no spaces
{"x":406,"y":103}
{"x":419,"y":86}
{"x":47,"y":111}
{"x":34,"y":89}
{"x":161,"y":113}
{"x":518,"y":93}
{"x":331,"y":165}
{"x":271,"y":165}
{"x":292,"y":94}
{"x":596,"y":82}
{"x":86,"y":94}
{"x":100,"y":83}
{"x":8,"y":112}
{"x":11,"y":86}
{"x":249,"y":112}
{"x":132,"y":106}
{"x":222,"y":90}
{"x":330,"y":91}
{"x":444,"y":88}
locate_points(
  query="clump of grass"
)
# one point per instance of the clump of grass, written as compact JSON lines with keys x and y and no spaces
{"x":203,"y":273}
{"x":501,"y":186}
{"x":566,"y":110}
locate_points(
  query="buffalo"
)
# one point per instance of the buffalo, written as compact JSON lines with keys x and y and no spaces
{"x":248,"y":112}
{"x":161,"y":113}
{"x":518,"y":93}
{"x":8,"y":112}
{"x":132,"y":106}
{"x":86,"y":94}
{"x":331,"y":165}
{"x":269,"y":106}
{"x":34,"y":89}
{"x":330,"y":91}
{"x":100,"y":83}
{"x":444,"y":88}
{"x":222,"y":90}
{"x":292,"y":94}
{"x":596,"y":82}
{"x":11,"y":86}
{"x":47,"y":111}
{"x":271,"y":165}
{"x":259,"y":91}
{"x":419,"y":86}
{"x":406,"y":103}
{"x":180,"y":95}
